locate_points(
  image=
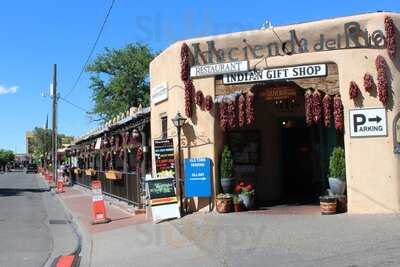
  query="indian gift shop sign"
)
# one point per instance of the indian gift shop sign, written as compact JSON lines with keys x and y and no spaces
{"x":285,"y":73}
{"x":198,"y":177}
{"x":353,"y":35}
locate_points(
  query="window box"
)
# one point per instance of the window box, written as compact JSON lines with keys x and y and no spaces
{"x":90,"y":172}
{"x":113,"y":175}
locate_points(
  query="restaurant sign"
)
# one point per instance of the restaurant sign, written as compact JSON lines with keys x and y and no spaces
{"x":294,"y":72}
{"x":219,"y":68}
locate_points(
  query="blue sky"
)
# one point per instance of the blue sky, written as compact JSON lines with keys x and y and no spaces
{"x":36,"y":34}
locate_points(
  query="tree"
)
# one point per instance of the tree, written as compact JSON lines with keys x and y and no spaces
{"x":41,"y":145}
{"x":6,"y":156}
{"x":120,"y":80}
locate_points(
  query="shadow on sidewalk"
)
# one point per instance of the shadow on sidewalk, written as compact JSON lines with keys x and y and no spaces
{"x":6,"y":192}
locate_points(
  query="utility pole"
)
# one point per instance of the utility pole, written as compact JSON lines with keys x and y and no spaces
{"x":54,"y":131}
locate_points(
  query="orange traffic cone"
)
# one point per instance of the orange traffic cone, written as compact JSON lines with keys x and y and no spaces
{"x":98,"y":206}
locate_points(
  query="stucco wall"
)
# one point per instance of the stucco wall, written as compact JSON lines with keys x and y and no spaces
{"x":372,"y":168}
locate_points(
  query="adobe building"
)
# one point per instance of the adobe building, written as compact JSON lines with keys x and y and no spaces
{"x":263,"y":94}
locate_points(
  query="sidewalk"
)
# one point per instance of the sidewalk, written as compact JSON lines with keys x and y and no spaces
{"x":265,"y":238}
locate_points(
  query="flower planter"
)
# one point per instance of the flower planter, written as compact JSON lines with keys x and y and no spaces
{"x":238,"y":207}
{"x":227,"y":185}
{"x":336,"y":185}
{"x":248,"y":200}
{"x":113,"y":175}
{"x":328,"y":205}
{"x":90,"y":172}
{"x":224,"y":204}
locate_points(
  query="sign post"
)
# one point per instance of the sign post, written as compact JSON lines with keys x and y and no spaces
{"x":368,"y":122}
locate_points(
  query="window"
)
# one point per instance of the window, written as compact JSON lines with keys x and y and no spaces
{"x":396,"y":134}
{"x":164,"y":127}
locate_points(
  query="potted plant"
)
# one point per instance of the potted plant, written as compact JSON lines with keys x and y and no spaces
{"x":224,"y":203}
{"x":237,"y":203}
{"x":227,"y":180}
{"x":245,"y":192}
{"x":328,"y":204}
{"x":337,"y":171}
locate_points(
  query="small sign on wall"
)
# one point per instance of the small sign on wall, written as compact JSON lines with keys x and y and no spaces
{"x":367,"y":122}
{"x":159,"y":93}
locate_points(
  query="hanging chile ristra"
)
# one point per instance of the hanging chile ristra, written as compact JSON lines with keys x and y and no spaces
{"x":382,"y":85}
{"x":200,"y":99}
{"x":316,"y":106}
{"x":353,"y":90}
{"x":208,"y":103}
{"x":185,"y":77}
{"x":327,"y":110}
{"x":223,"y":116}
{"x":390,"y":37}
{"x":232,"y":114}
{"x":250,"y":114}
{"x":338,"y":112}
{"x":139,"y":154}
{"x":368,"y":82}
{"x":308,"y":107}
{"x":242,"y":111}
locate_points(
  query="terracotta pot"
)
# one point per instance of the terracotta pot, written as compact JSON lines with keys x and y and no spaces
{"x":238,"y":206}
{"x":224,"y":204}
{"x":328,"y":205}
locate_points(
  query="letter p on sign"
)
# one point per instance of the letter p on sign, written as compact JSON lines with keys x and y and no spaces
{"x":367,"y":122}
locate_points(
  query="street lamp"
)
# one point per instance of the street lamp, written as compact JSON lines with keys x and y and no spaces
{"x":179,"y":121}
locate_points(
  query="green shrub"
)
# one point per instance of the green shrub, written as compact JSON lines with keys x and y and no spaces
{"x":337,"y":163}
{"x":226,"y":163}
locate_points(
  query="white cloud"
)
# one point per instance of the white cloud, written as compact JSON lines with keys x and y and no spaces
{"x":10,"y":90}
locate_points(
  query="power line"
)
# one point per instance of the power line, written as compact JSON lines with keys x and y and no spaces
{"x":91,"y":51}
{"x":73,"y":104}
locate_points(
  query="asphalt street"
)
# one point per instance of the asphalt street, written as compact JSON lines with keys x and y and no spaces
{"x":26,"y":237}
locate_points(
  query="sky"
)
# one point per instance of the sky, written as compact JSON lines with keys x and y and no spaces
{"x":37,"y":34}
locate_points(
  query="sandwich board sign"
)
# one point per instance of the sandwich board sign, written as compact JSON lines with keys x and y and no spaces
{"x":368,"y":122}
{"x":163,"y":200}
{"x":198,"y":177}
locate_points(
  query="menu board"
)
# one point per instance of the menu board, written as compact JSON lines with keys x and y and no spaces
{"x":245,"y":146}
{"x":164,"y":158}
{"x":161,"y":188}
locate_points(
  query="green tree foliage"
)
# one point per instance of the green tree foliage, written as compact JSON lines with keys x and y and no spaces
{"x":41,"y":145}
{"x":120,"y":79}
{"x":226,"y":163}
{"x":6,"y":156}
{"x":337,"y":163}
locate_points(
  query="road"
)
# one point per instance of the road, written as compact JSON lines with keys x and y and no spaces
{"x":25,"y":238}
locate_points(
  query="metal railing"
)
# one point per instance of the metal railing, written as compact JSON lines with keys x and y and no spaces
{"x":127,"y":188}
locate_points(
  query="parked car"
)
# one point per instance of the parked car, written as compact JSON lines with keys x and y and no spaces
{"x":31,"y":168}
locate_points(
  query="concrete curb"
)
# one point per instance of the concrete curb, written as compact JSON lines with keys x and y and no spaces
{"x":52,"y":260}
{"x":85,"y":240}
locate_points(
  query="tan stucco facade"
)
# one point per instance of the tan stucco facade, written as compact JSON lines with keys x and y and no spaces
{"x":372,"y":167}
